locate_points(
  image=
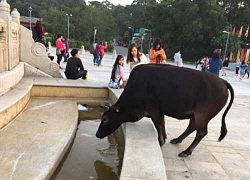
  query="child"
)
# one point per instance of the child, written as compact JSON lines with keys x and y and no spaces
{"x":118,"y":78}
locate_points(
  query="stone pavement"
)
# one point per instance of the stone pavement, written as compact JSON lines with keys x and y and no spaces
{"x":31,"y":146}
{"x":229,"y":159}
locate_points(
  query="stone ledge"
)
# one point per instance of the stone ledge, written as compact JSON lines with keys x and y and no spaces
{"x":143,"y":156}
{"x":13,"y":102}
{"x":32,"y":146}
{"x":10,"y":78}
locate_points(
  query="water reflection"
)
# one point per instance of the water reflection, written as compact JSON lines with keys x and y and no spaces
{"x":104,"y":171}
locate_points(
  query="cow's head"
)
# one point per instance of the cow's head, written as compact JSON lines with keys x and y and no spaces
{"x":111,"y":120}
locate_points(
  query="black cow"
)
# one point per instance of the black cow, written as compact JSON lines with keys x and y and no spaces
{"x":156,"y":90}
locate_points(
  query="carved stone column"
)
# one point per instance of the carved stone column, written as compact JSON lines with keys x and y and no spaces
{"x":15,"y":16}
{"x":5,"y":15}
{"x":4,"y":35}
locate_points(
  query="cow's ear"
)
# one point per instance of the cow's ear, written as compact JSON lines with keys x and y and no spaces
{"x":106,"y":106}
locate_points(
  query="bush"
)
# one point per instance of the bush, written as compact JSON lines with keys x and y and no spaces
{"x":110,"y":48}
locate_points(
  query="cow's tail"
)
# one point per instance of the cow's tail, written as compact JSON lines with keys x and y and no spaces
{"x":223,"y":131}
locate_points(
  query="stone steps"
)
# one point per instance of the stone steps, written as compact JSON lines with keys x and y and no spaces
{"x":14,"y":101}
{"x":34,"y":143}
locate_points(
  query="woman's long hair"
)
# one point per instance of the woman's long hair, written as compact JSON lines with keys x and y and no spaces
{"x":130,"y":56}
{"x":157,"y":41}
{"x":216,"y":54}
{"x":116,"y":64}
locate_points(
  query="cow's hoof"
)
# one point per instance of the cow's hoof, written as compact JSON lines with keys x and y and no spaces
{"x":162,"y":143}
{"x":175,"y":141}
{"x":184,"y":154}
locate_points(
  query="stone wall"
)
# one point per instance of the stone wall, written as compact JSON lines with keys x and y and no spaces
{"x":9,"y":37}
{"x":34,"y":53}
{"x":3,"y":46}
{"x":17,"y":44}
{"x":11,"y":70}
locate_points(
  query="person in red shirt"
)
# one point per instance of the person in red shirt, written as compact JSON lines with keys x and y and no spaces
{"x":60,"y":48}
{"x":101,"y":49}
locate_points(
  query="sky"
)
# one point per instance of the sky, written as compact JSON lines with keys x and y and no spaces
{"x":116,"y":2}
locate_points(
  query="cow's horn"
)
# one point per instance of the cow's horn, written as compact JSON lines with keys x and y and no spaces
{"x":117,"y":110}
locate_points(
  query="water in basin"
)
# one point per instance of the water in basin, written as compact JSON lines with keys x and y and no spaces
{"x":90,"y":157}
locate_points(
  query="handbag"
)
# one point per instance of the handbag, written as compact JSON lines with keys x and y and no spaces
{"x":113,"y":84}
{"x":58,"y":52}
{"x":67,"y":54}
{"x":91,"y":51}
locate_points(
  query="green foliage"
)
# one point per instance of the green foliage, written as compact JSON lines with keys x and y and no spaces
{"x":195,"y":26}
{"x":110,"y":48}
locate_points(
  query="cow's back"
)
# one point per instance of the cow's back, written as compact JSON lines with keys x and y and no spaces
{"x":177,"y":91}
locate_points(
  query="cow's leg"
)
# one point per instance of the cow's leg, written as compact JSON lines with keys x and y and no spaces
{"x":189,"y":130}
{"x":159,"y":124}
{"x":164,"y":128}
{"x":200,"y":134}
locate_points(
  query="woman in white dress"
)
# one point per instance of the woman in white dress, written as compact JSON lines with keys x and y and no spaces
{"x":135,"y":57}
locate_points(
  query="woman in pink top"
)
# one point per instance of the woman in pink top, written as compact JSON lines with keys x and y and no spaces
{"x":60,"y":48}
{"x":101,"y":48}
{"x":118,"y":76}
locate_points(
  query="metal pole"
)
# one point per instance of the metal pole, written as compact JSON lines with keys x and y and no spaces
{"x":30,"y":20}
{"x":141,"y":43}
{"x":132,"y":34}
{"x":30,"y":10}
{"x":94,"y":35}
{"x":226,"y":46}
{"x":68,"y":27}
{"x":149,"y":46}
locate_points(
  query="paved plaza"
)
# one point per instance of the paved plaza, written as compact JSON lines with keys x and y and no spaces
{"x":229,"y":159}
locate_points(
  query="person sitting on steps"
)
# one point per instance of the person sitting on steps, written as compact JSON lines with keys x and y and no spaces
{"x":74,"y":68}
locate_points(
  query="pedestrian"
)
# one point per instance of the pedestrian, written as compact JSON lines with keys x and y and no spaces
{"x":60,"y":49}
{"x":66,"y":45}
{"x":157,"y":54}
{"x":215,"y":63}
{"x":96,"y":53}
{"x":135,"y":57}
{"x":74,"y":68}
{"x":242,"y":70}
{"x":101,"y":49}
{"x":247,"y":69}
{"x":118,"y":78}
{"x":225,"y":66}
{"x":178,"y":59}
{"x":40,"y":32}
{"x":205,"y":66}
{"x":199,"y":64}
{"x":238,"y":63}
